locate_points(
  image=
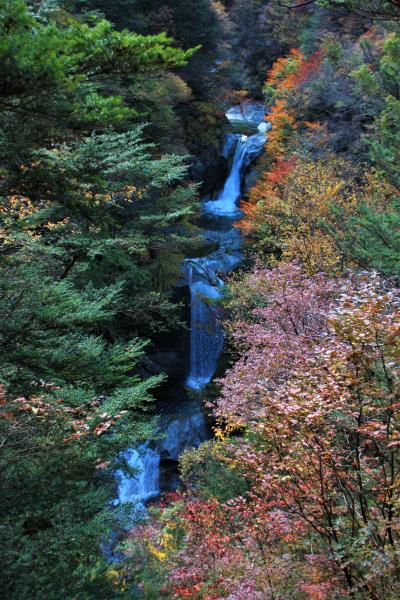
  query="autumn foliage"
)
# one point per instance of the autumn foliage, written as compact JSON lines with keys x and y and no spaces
{"x":287,"y":74}
{"x":290,"y":208}
{"x":324,"y":448}
{"x":316,"y":392}
{"x":285,"y":210}
{"x":291,"y":71}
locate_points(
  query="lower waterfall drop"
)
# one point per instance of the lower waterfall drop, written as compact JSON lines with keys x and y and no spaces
{"x":144,"y":485}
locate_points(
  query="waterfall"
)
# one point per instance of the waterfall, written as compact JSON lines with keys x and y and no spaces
{"x":144,"y":483}
{"x":186,"y":426}
{"x":206,"y":341}
{"x":247,"y":148}
{"x":226,"y":203}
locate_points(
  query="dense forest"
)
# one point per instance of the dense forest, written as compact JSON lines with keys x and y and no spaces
{"x":112,"y":129}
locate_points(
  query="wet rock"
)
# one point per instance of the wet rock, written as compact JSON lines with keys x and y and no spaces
{"x":246,"y":113}
{"x":210,"y":171}
{"x":229,"y":145}
{"x":250,"y":180}
{"x":185,"y":430}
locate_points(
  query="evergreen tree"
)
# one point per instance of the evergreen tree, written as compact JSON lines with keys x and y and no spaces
{"x":93,"y":226}
{"x":372,"y":236}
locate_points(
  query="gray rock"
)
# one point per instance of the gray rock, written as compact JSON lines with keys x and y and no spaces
{"x":186,"y":430}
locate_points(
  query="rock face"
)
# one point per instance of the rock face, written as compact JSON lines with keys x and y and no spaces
{"x":229,"y":145}
{"x":187,"y":429}
{"x":246,"y":113}
{"x":209,"y":171}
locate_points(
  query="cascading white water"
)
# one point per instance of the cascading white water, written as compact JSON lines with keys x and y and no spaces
{"x":226,"y":203}
{"x":144,"y":483}
{"x":183,"y":428}
{"x":206,"y":339}
{"x":247,"y":149}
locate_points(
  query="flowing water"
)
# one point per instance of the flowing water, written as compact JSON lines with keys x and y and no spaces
{"x":145,"y":462}
{"x":186,"y":426}
{"x":206,"y":339}
{"x":203,"y":274}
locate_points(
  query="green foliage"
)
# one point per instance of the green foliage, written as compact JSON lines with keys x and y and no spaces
{"x":372,"y":236}
{"x":204,"y":471}
{"x":385,"y":148}
{"x":198,"y":26}
{"x":58,"y":78}
{"x":110,"y":212}
{"x":81,"y":406}
{"x":94,"y":222}
{"x":204,"y":127}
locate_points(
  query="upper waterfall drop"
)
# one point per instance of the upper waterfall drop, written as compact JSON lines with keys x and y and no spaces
{"x":247,"y":148}
{"x":226,"y":203}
